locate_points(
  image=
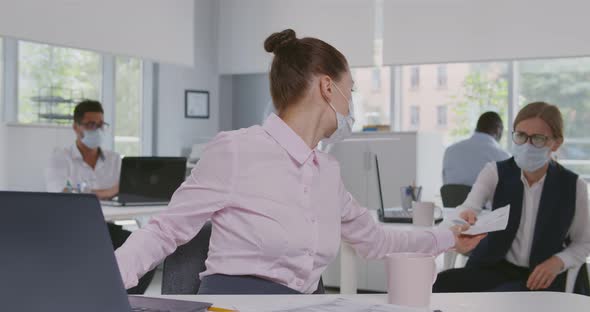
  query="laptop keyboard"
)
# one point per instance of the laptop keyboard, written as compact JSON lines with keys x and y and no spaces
{"x":398,"y":214}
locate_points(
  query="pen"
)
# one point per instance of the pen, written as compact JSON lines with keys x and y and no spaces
{"x":216,"y":309}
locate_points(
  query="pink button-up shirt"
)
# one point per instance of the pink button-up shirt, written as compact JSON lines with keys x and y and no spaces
{"x":278,"y":209}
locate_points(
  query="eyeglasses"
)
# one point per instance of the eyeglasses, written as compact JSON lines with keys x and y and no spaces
{"x":537,"y":140}
{"x":91,"y":125}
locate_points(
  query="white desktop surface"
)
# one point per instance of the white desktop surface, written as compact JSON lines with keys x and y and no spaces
{"x":458,"y":302}
{"x":112,"y":213}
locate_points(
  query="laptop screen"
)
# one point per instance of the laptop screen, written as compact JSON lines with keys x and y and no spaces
{"x":151,"y":177}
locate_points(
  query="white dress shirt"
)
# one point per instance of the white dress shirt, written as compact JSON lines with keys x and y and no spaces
{"x":67,"y":164}
{"x":464,"y":160}
{"x":579,"y":232}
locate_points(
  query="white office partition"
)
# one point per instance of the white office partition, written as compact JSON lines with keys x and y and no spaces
{"x":434,"y":31}
{"x":404,"y":158}
{"x":159,"y":30}
{"x":244,"y":25}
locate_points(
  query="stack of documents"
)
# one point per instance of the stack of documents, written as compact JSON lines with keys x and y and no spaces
{"x":496,"y":220}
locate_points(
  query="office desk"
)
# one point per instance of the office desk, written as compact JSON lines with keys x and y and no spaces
{"x":460,"y":302}
{"x":348,"y":268}
{"x":112,"y":213}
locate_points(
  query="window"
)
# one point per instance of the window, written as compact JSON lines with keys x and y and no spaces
{"x":471,"y":89}
{"x":52,"y":80}
{"x":376,"y":79}
{"x":441,"y":76}
{"x":415,"y":116}
{"x":563,"y":82}
{"x":415,"y":77}
{"x":371,"y":107}
{"x":441,"y":115}
{"x":127,"y":128}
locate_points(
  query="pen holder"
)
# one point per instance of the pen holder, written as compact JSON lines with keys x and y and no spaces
{"x":410,"y":194}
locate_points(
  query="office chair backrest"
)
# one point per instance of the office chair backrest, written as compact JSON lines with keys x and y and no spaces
{"x":454,"y":195}
{"x":182,"y":268}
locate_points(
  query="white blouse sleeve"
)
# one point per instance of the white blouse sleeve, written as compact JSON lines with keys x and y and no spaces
{"x":483,"y":189}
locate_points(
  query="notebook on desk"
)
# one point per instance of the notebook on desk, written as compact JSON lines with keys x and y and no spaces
{"x":57,"y":256}
{"x":394,"y":215}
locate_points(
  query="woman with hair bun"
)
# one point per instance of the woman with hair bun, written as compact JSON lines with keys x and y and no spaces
{"x":277,"y":204}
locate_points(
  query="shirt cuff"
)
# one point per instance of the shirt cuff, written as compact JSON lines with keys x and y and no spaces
{"x":444,"y":238}
{"x":568,"y":261}
{"x":122,"y":262}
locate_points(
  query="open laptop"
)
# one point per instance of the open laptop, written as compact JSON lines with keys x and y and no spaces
{"x":148,"y":180}
{"x":392,"y":215}
{"x":57,"y":256}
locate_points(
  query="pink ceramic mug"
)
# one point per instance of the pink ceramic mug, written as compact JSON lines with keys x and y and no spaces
{"x":410,"y":277}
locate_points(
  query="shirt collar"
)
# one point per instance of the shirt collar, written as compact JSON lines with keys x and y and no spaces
{"x":75,"y":152}
{"x":485,"y":137}
{"x":288,"y":139}
{"x":526,"y":183}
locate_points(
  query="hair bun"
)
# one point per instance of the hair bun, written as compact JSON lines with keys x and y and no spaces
{"x":279,"y":40}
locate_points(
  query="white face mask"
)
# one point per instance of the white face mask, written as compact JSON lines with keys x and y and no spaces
{"x":530,"y":158}
{"x":345,"y":123}
{"x":92,"y":138}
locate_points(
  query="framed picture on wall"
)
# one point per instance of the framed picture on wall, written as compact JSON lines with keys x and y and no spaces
{"x":196,"y":104}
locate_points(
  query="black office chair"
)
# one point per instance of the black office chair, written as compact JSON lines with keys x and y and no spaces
{"x":454,"y":195}
{"x":182,"y":268}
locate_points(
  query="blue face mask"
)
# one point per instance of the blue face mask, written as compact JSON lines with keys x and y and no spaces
{"x":92,"y":138}
{"x":530,"y":158}
{"x":345,"y":123}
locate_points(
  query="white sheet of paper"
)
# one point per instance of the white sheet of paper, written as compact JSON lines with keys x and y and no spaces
{"x":496,"y":220}
{"x":345,"y":305}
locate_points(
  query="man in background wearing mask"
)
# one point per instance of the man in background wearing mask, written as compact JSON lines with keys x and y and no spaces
{"x":85,"y":166}
{"x":464,"y":160}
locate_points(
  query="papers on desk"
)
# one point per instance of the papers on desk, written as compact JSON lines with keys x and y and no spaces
{"x":345,"y":305}
{"x":496,"y":220}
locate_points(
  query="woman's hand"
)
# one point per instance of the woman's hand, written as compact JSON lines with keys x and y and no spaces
{"x":469,"y":215}
{"x":465,"y":243}
{"x":545,"y":273}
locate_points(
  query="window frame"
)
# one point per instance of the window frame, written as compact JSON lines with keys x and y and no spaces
{"x":442,"y":76}
{"x":415,"y":77}
{"x":414,"y":115}
{"x":439,"y":112}
{"x":10,"y":104}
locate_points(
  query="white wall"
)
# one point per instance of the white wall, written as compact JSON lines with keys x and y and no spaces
{"x":433,"y":31}
{"x":251,"y":98}
{"x":27,"y":153}
{"x":174,"y":132}
{"x":244,"y":25}
{"x":159,"y":30}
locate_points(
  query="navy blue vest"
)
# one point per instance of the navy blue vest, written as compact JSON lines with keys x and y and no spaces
{"x":554,"y":218}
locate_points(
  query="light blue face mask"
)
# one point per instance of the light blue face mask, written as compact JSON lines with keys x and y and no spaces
{"x":92,"y":138}
{"x":530,"y":158}
{"x":345,"y":123}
